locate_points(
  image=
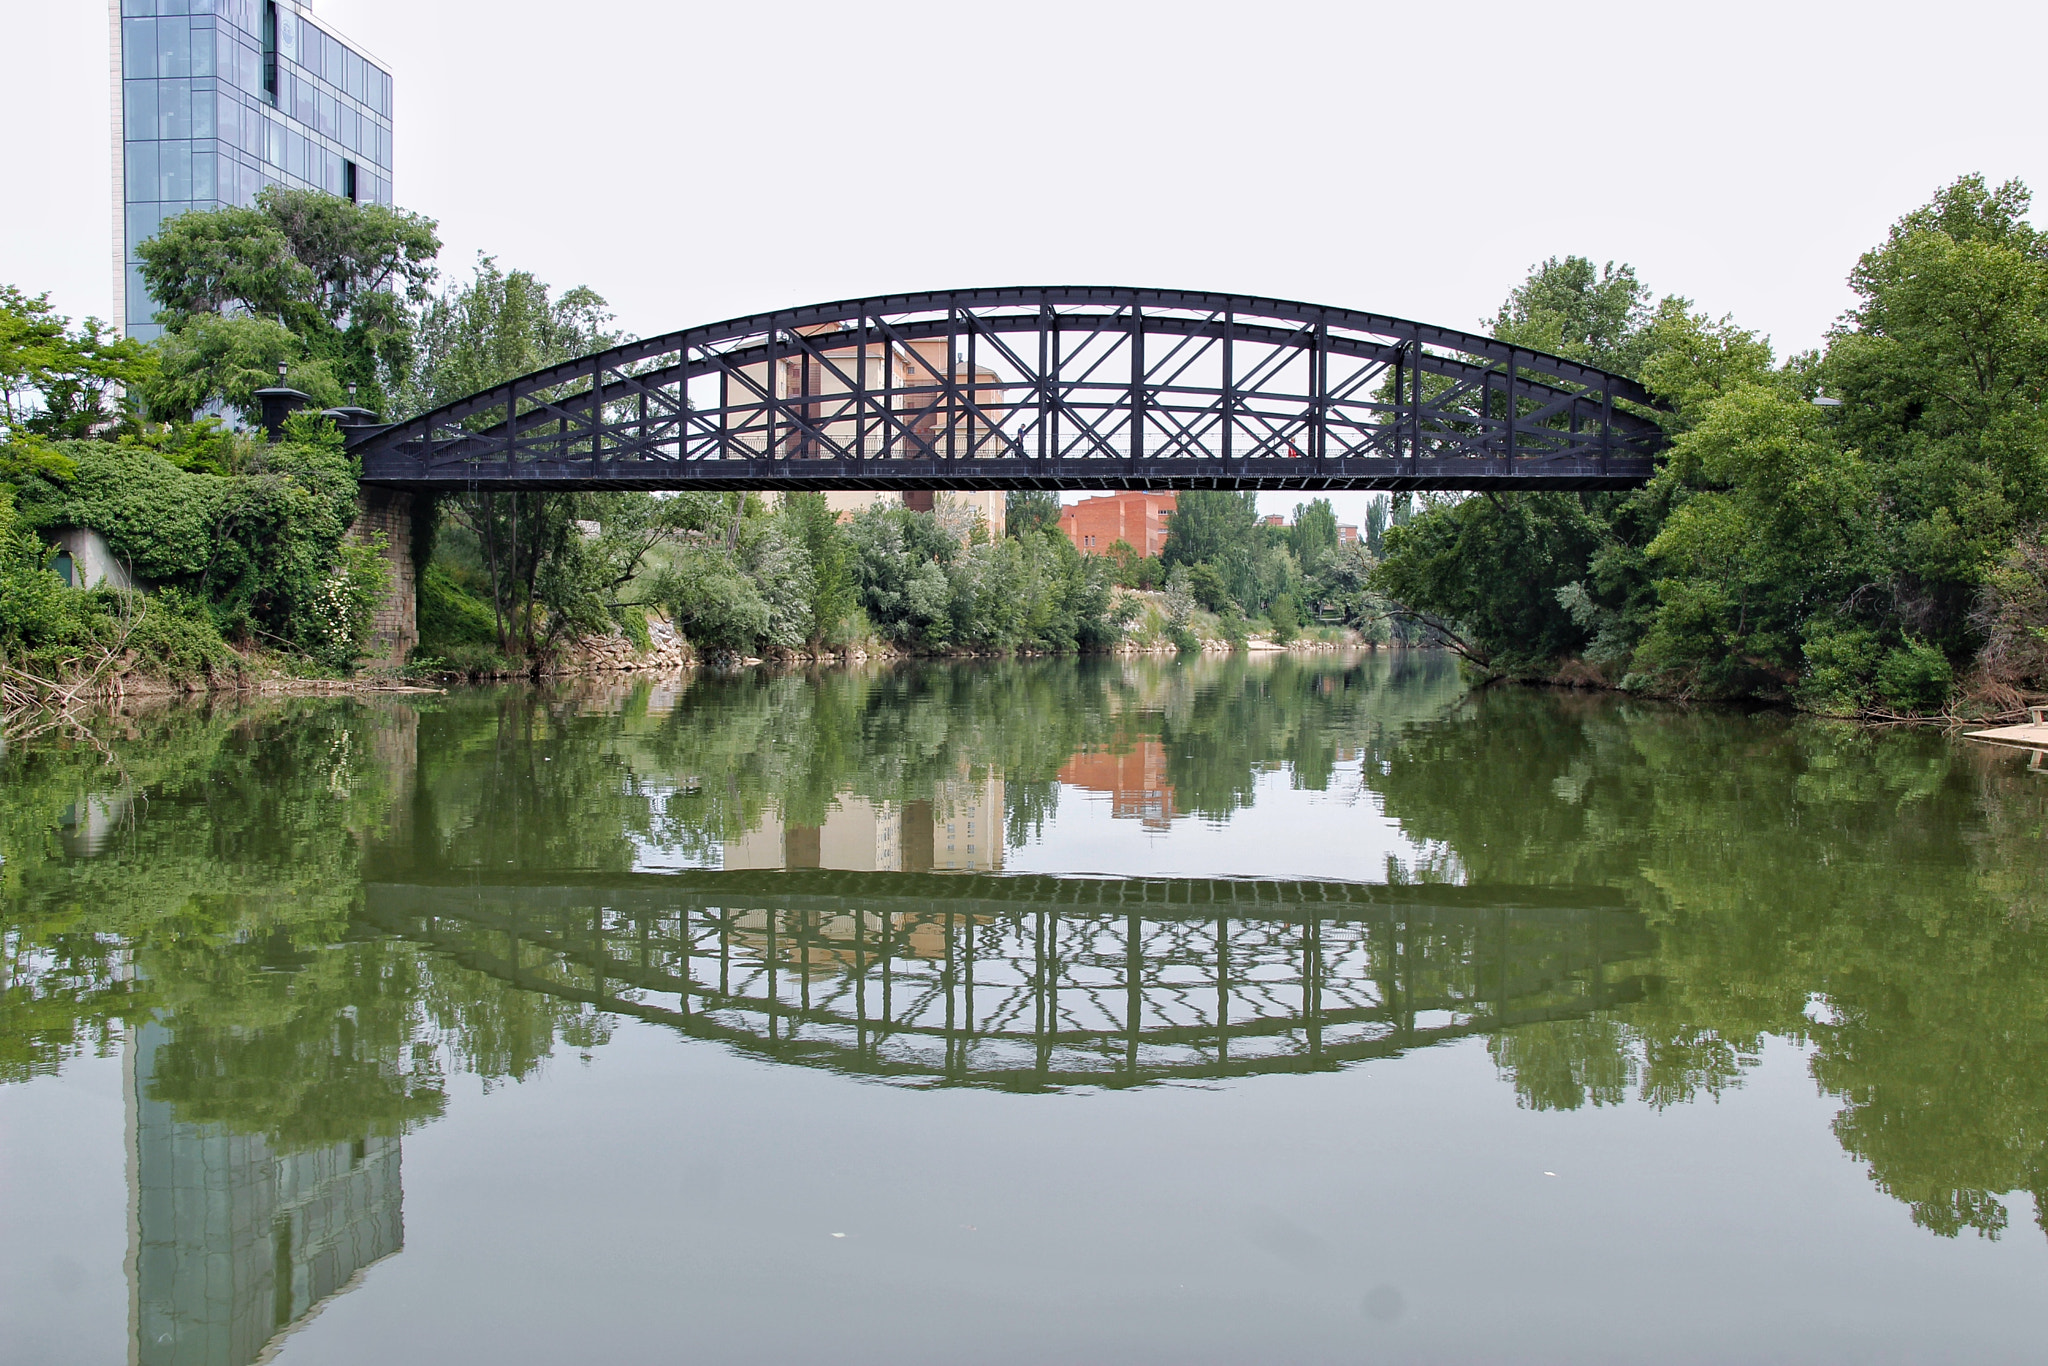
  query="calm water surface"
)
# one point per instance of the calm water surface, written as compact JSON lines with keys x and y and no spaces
{"x":1236,"y":1012}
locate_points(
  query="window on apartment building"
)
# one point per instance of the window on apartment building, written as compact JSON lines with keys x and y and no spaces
{"x":348,"y":182}
{"x":270,"y":51}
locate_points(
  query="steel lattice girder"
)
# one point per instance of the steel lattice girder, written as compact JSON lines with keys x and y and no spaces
{"x":1039,"y":388}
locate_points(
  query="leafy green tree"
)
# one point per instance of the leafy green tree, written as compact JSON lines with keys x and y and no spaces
{"x":1314,"y":532}
{"x":1485,"y":573}
{"x":1942,"y":369}
{"x":57,"y":381}
{"x":1028,"y":511}
{"x":542,"y":577}
{"x":342,"y":278}
{"x":499,"y":325}
{"x":1375,"y":523}
{"x":1747,"y":571}
{"x":209,"y":359}
{"x":1286,"y":618}
{"x":1208,"y":525}
{"x":1206,"y":582}
{"x":1568,"y":307}
{"x":810,"y":524}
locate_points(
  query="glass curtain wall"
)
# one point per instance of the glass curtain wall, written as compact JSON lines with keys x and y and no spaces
{"x":222,"y":97}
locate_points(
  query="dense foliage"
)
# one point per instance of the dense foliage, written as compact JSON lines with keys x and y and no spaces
{"x":1855,"y":529}
{"x":326,"y":287}
{"x":259,"y":555}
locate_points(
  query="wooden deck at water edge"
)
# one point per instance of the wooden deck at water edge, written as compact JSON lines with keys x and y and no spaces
{"x":2032,"y":735}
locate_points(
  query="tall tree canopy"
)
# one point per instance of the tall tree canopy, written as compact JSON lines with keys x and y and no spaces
{"x":497,"y":326}
{"x":1207,"y":524}
{"x":1028,"y":511}
{"x":1569,"y":307}
{"x":336,"y":282}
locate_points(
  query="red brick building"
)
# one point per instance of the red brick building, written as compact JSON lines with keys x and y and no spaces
{"x":1137,"y":519}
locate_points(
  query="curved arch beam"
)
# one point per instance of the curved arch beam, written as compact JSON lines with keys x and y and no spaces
{"x":1040,"y":387}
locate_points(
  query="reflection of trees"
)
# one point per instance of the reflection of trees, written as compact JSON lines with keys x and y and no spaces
{"x":223,"y":907}
{"x":1899,"y":879}
{"x":552,"y":781}
{"x":1883,"y":898}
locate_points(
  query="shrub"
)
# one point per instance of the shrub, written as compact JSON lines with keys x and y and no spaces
{"x":1205,"y":581}
{"x":1915,"y":677}
{"x":1286,"y":618}
{"x":262,"y":550}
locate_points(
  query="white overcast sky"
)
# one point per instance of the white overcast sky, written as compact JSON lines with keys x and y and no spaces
{"x":694,"y":161}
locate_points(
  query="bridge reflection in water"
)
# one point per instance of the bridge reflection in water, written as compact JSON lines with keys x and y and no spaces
{"x":1032,"y":982}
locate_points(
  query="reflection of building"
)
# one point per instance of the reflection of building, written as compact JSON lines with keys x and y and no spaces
{"x":213,"y":105}
{"x":1137,"y":519}
{"x":858,"y":835}
{"x":234,"y":1244}
{"x":960,"y":829}
{"x":1135,"y":779}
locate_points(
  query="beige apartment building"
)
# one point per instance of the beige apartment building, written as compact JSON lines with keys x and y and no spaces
{"x":911,"y":370}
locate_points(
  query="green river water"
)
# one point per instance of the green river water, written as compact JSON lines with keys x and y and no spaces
{"x":1277,"y":1010}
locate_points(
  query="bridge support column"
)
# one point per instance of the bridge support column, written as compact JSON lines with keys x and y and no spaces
{"x":396,"y":627}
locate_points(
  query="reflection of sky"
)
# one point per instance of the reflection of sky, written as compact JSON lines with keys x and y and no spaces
{"x":1338,"y":834}
{"x":655,"y":855}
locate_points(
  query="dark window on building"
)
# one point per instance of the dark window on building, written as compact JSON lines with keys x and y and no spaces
{"x":270,"y":50}
{"x":348,"y":182}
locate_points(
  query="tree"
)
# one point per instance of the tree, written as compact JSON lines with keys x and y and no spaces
{"x":1314,"y":533}
{"x":211,"y":359}
{"x":1286,"y":618}
{"x":1375,"y":523}
{"x":1752,"y":564}
{"x":1028,"y":511}
{"x":1942,"y":370}
{"x":343,"y":278}
{"x":497,"y":326}
{"x":1485,"y":572}
{"x":809,"y":523}
{"x":1208,"y":525}
{"x":57,"y":381}
{"x":1205,"y":581}
{"x":1571,"y":308}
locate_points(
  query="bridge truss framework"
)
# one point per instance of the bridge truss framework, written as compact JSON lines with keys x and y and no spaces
{"x":1075,"y":388}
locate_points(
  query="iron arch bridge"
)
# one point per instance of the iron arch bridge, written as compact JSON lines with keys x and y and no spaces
{"x":1072,"y":388}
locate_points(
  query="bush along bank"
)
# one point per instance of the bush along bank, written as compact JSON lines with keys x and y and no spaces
{"x":230,"y":562}
{"x":1857,"y":531}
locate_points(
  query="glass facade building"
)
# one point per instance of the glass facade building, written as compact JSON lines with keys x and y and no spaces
{"x":216,"y":99}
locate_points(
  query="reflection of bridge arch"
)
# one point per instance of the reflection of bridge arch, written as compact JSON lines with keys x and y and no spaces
{"x":1038,"y":388}
{"x":1030,"y":982}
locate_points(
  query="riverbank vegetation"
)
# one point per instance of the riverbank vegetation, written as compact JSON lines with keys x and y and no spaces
{"x":1854,"y":530}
